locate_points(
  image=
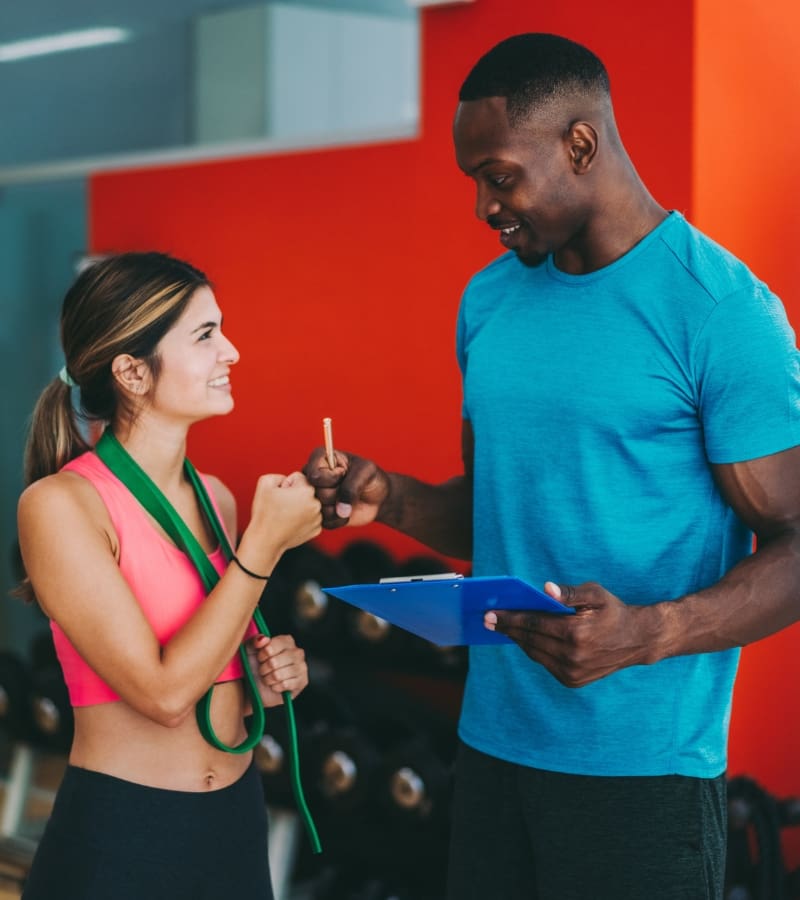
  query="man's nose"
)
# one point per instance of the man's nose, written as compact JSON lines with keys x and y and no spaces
{"x":486,"y":204}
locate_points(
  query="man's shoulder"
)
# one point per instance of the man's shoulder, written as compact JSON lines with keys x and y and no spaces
{"x":504,"y":269}
{"x":714,"y":268}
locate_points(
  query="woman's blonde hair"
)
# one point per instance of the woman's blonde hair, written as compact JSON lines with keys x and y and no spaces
{"x":122,"y":304}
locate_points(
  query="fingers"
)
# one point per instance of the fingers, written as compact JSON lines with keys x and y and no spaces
{"x":327,"y":484}
{"x":553,"y":589}
{"x":523,"y":622}
{"x":271,"y":480}
{"x":601,"y":637}
{"x":286,"y":509}
{"x":351,"y":493}
{"x":335,"y":514}
{"x":564,"y":593}
{"x":296,"y":479}
{"x":281,"y":663}
{"x":319,"y":473}
{"x":519,"y":624}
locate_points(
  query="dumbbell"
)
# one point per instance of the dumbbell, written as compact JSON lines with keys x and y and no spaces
{"x":53,"y":720}
{"x":416,"y":784}
{"x":367,"y":561}
{"x":52,"y":713}
{"x":295,"y":603}
{"x":789,"y":811}
{"x":272,"y":755}
{"x":15,"y":713}
{"x":373,"y":637}
{"x":316,"y":618}
{"x":754,"y":860}
{"x":346,"y":762}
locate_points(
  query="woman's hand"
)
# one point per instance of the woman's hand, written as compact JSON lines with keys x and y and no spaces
{"x":285,"y":514}
{"x":279,"y":665}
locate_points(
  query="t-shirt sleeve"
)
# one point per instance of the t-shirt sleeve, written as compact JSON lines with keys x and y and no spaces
{"x":748,"y":378}
{"x":461,"y":351}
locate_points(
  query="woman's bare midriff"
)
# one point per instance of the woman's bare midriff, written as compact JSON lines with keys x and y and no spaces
{"x":115,"y":739}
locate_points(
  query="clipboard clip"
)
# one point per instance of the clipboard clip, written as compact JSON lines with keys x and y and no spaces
{"x":446,"y":576}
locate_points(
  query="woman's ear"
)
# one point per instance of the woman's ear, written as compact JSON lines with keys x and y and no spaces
{"x":131,"y":375}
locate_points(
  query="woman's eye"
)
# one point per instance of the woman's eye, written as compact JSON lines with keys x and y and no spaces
{"x":206,"y":335}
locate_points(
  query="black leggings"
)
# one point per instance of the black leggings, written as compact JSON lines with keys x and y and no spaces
{"x":109,"y":839}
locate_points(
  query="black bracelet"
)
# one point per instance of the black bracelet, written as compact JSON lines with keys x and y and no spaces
{"x":248,"y":572}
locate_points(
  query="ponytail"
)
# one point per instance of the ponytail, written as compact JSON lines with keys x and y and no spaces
{"x":54,"y":437}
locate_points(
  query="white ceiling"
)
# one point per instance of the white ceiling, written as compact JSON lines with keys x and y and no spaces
{"x":21,"y":19}
{"x":123,"y":98}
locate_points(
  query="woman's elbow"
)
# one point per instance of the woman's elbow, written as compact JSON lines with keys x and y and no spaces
{"x":169,"y":711}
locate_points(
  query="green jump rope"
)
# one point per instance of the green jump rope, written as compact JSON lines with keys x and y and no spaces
{"x":139,"y":483}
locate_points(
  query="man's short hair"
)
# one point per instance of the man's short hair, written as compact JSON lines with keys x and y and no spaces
{"x":530,"y":69}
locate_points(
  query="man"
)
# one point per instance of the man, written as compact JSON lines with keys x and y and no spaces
{"x":631,"y":419}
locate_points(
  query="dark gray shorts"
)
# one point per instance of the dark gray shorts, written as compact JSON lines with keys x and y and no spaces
{"x":526,"y":834}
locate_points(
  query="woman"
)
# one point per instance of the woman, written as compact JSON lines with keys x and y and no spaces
{"x":148,"y":807}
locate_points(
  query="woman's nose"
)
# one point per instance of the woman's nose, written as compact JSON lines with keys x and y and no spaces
{"x":229,"y":353}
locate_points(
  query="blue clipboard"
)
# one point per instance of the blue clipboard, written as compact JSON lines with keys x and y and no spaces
{"x":447,"y":610}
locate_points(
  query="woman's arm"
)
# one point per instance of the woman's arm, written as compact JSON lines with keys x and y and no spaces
{"x":70,"y":552}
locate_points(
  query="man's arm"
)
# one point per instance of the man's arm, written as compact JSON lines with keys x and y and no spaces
{"x":757,"y":597}
{"x":439,"y":516}
{"x":761,"y":594}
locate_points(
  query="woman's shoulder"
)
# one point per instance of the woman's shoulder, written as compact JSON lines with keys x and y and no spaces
{"x":62,"y":487}
{"x":62,"y":499}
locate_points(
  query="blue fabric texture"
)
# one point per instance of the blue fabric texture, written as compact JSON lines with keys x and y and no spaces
{"x":597,"y":402}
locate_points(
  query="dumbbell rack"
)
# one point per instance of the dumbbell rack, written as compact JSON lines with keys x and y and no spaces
{"x":376,"y":729}
{"x":17,"y":842}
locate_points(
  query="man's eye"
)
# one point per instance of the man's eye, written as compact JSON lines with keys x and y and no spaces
{"x":498,"y":180}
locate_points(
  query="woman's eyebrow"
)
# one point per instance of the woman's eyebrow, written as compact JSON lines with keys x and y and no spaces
{"x":204,"y":326}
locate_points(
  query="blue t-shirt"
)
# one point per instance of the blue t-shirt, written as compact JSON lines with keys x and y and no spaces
{"x":597,"y":402}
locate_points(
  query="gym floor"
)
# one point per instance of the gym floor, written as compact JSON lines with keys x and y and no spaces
{"x":47,"y":773}
{"x":7,"y":890}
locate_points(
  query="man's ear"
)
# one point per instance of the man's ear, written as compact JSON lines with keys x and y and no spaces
{"x":582,"y":143}
{"x":131,"y":375}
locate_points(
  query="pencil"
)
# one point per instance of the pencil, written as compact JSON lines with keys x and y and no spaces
{"x":326,"y":429}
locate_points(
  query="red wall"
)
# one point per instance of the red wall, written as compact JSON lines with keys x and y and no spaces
{"x":339,"y":273}
{"x":747,"y":103}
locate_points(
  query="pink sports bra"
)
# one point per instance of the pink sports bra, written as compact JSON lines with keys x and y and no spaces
{"x":162,"y":578}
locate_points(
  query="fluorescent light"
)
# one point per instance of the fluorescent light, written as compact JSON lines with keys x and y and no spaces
{"x":421,"y":3}
{"x":58,"y":43}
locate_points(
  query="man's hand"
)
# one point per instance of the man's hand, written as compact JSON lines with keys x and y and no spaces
{"x":351,"y":493}
{"x":603,"y":636}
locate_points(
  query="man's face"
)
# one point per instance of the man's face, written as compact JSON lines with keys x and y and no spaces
{"x":527,"y":188}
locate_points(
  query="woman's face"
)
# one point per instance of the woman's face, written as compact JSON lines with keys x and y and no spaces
{"x":195,"y":356}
